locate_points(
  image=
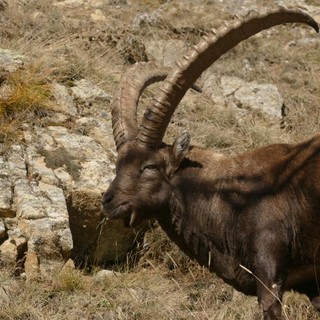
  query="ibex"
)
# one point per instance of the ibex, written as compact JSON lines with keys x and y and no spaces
{"x":257,"y":211}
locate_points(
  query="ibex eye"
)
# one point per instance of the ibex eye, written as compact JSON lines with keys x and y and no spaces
{"x":150,"y":166}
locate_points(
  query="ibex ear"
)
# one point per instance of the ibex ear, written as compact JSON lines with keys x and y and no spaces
{"x":178,"y":152}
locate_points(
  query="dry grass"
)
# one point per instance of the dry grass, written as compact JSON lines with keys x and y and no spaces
{"x":66,"y":45}
{"x":163,"y":285}
{"x":24,"y":93}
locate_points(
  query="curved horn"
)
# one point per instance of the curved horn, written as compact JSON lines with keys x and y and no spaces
{"x":199,"y":58}
{"x":124,"y":106}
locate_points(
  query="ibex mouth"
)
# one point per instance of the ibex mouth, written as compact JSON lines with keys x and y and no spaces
{"x":126,"y":212}
{"x":120,"y":212}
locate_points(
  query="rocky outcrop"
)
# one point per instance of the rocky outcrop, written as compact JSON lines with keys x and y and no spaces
{"x":51,"y":185}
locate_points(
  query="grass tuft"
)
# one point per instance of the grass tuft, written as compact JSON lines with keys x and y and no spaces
{"x":69,"y":281}
{"x":23,"y":93}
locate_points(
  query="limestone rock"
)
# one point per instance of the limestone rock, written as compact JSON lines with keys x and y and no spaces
{"x":69,"y":3}
{"x":106,"y":274}
{"x":8,"y":253}
{"x":230,"y":85}
{"x":38,"y":170}
{"x":10,"y":61}
{"x":262,"y":97}
{"x":27,"y":203}
{"x":3,"y":231}
{"x":88,"y":92}
{"x":98,"y":16}
{"x":16,"y":162}
{"x":144,"y":19}
{"x":234,"y":92}
{"x":65,"y":179}
{"x":68,"y":267}
{"x":31,"y":266}
{"x":165,"y":52}
{"x":6,"y":195}
{"x":56,"y":163}
{"x":100,"y":131}
{"x":64,"y":100}
{"x":75,"y":166}
{"x":43,"y":236}
{"x":13,"y":249}
{"x":66,"y":242}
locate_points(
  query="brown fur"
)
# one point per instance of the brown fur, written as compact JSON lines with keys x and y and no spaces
{"x":258,"y":209}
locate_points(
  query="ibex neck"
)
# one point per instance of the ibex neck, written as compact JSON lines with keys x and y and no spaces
{"x":193,"y":231}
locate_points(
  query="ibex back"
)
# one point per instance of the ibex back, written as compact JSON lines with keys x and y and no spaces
{"x":257,"y":211}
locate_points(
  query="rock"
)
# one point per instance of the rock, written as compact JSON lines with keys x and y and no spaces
{"x":69,"y":3}
{"x":38,"y":170}
{"x":6,"y":195}
{"x":68,"y":267}
{"x":106,"y":274}
{"x":44,"y":237}
{"x":13,"y":249}
{"x":16,"y":162}
{"x":31,"y":266}
{"x":144,"y":19}
{"x":10,"y":61}
{"x":98,"y":3}
{"x":263,"y":97}
{"x":65,"y":179}
{"x":230,"y":85}
{"x":26,"y":202}
{"x":87,"y":92}
{"x":54,"y":163}
{"x":78,"y":3}
{"x":8,"y":253}
{"x":165,"y":52}
{"x":17,"y":237}
{"x":66,"y":242}
{"x":98,"y":16}
{"x":95,"y":169}
{"x":53,"y":201}
{"x":3,"y":231}
{"x":114,"y":241}
{"x":64,"y":100}
{"x":42,"y":216}
{"x":236,"y":92}
{"x":83,"y":167}
{"x":100,"y":131}
{"x":91,"y":177}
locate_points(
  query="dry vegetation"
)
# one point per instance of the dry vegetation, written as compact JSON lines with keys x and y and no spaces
{"x":63,"y":44}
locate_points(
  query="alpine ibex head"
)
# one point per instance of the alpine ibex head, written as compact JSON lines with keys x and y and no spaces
{"x":144,"y":167}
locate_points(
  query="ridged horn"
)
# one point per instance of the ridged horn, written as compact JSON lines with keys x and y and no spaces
{"x":199,"y":58}
{"x":124,"y":107}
